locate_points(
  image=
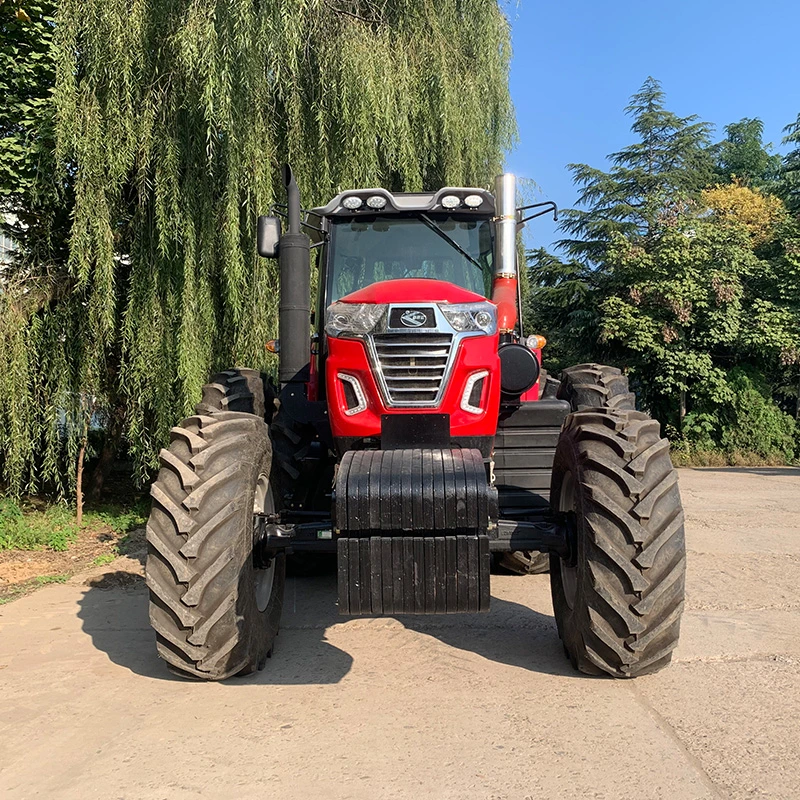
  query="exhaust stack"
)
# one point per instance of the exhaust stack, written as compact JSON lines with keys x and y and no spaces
{"x":294,"y":322}
{"x":505,"y":199}
{"x":504,"y":287}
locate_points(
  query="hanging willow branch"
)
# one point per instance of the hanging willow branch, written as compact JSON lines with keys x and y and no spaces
{"x":172,"y":120}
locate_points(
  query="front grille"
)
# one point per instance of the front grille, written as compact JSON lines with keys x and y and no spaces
{"x":413,"y":366}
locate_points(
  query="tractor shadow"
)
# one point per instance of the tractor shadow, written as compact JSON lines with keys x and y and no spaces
{"x":114,"y":613}
{"x":511,"y":633}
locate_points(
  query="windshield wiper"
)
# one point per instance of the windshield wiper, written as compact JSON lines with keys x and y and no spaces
{"x":437,"y":230}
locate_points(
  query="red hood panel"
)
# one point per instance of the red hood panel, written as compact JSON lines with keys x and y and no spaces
{"x":412,"y":290}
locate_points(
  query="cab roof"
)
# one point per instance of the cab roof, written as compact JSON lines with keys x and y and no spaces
{"x":408,"y":201}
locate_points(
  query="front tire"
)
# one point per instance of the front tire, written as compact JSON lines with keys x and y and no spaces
{"x":215,"y":615}
{"x":618,"y":601}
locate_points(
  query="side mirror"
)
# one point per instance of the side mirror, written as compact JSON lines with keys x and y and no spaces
{"x":269,"y":235}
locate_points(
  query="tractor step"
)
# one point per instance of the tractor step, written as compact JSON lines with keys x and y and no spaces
{"x":413,"y":575}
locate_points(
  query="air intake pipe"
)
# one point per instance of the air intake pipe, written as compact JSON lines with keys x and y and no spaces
{"x":294,"y":322}
{"x":504,"y":285}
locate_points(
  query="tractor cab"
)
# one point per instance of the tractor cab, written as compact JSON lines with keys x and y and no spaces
{"x":418,"y":339}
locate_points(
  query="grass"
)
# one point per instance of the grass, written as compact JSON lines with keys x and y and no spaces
{"x":43,"y":580}
{"x":684,"y":455}
{"x":25,"y":526}
{"x":26,"y":587}
{"x":104,"y":558}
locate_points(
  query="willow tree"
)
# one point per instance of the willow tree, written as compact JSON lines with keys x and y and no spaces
{"x":172,"y":118}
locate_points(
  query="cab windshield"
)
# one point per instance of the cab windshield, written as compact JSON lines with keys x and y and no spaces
{"x":375,"y":248}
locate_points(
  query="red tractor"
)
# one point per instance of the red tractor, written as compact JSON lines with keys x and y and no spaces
{"x":414,"y":435}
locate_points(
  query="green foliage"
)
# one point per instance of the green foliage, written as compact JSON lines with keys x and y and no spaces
{"x":751,"y":422}
{"x":33,"y":201}
{"x":562,"y":304}
{"x":743,"y":155}
{"x":43,"y":580}
{"x":669,"y":162}
{"x":120,"y":518}
{"x":693,"y":290}
{"x":27,"y":73}
{"x":171,"y":121}
{"x":54,"y":527}
{"x":789,"y":185}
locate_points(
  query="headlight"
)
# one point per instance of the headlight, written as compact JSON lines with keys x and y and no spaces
{"x":471,"y":316}
{"x":354,"y":319}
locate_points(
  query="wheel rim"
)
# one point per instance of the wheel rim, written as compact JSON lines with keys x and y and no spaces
{"x":263,"y":503}
{"x":569,"y":574}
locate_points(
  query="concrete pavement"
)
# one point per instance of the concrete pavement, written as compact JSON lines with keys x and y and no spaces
{"x":456,"y":707}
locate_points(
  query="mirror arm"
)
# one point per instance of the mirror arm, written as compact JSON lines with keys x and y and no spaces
{"x":279,"y":210}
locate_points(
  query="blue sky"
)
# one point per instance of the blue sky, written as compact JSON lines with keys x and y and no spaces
{"x":577,"y":62}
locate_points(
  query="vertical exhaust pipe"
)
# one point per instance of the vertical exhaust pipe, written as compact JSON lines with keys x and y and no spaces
{"x":294,"y":322}
{"x":504,"y":286}
{"x":505,"y":200}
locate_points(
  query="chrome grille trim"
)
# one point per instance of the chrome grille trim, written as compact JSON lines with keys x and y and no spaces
{"x":434,"y":351}
{"x":405,"y":381}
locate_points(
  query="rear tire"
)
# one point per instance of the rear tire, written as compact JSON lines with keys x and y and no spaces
{"x":215,"y":615}
{"x":584,"y":386}
{"x":618,"y":602}
{"x":237,"y":389}
{"x":596,"y":386}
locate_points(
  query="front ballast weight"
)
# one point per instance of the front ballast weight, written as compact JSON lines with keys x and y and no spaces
{"x":413,"y":530}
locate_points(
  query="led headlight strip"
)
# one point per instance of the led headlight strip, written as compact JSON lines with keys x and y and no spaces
{"x":361,"y":400}
{"x":468,"y":387}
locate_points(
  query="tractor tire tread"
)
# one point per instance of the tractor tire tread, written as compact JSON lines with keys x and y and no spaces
{"x":238,"y":389}
{"x":634,"y":547}
{"x":596,"y":386}
{"x":199,"y":546}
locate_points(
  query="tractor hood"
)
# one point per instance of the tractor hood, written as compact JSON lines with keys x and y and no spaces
{"x":412,"y":290}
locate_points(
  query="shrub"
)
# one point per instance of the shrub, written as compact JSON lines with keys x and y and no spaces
{"x":753,"y":423}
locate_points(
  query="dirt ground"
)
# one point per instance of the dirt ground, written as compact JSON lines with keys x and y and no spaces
{"x":458,"y":707}
{"x":23,"y":571}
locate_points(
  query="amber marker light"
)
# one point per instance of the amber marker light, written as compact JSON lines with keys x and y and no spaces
{"x":273,"y":346}
{"x":535,"y":342}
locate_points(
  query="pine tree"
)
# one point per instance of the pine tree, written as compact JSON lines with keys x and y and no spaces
{"x":743,"y":156}
{"x":172,"y":120}
{"x":789,"y":186}
{"x":670,"y":162}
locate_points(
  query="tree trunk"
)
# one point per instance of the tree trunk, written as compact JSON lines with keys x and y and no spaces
{"x":79,"y":483}
{"x":111,"y":440}
{"x":682,"y":410}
